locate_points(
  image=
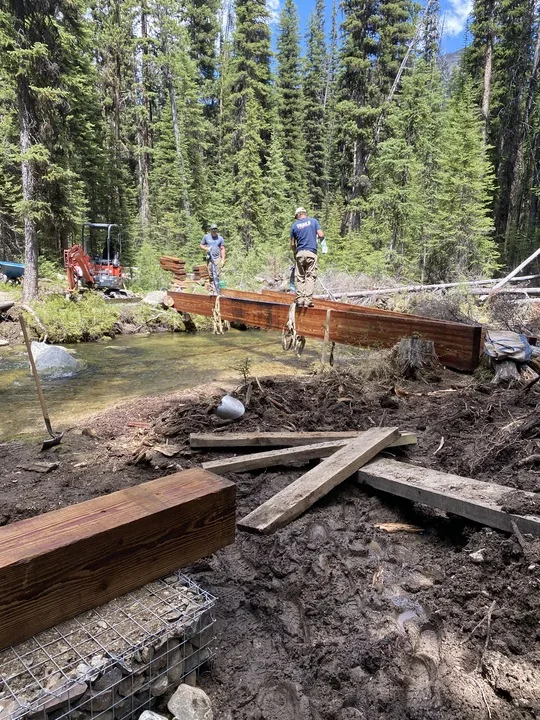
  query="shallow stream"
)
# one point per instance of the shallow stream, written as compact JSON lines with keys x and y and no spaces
{"x":136,"y":366}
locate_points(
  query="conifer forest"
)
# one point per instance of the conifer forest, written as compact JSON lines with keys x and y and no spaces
{"x":167,"y":115}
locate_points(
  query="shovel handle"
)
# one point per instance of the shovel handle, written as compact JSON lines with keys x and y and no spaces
{"x":34,"y":372}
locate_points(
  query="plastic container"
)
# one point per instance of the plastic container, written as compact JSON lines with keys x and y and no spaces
{"x":230,"y":408}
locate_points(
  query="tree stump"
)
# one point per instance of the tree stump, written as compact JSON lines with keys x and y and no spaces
{"x":413,"y":357}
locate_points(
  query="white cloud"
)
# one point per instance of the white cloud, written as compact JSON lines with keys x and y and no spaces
{"x":273,"y":10}
{"x":455,"y":17}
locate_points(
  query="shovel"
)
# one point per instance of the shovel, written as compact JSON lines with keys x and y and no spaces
{"x":55,"y":439}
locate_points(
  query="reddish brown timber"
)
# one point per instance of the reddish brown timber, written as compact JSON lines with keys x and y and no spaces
{"x":300,"y":495}
{"x":456,"y":345}
{"x":57,"y":565}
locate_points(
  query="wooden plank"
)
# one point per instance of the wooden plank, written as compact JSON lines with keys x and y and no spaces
{"x":456,"y":345}
{"x":281,"y":439}
{"x":57,"y":565}
{"x":472,"y":499}
{"x":255,"y":461}
{"x":297,"y":497}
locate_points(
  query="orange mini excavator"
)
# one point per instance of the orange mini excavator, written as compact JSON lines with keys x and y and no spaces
{"x":89,"y":269}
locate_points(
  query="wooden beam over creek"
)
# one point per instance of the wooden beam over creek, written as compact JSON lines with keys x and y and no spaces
{"x":59,"y":564}
{"x":457,"y":345}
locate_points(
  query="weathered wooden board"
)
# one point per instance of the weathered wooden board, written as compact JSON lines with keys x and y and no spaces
{"x":255,"y":461}
{"x":281,"y":439}
{"x":457,"y":345}
{"x":472,"y":499}
{"x":297,"y":497}
{"x":57,"y":565}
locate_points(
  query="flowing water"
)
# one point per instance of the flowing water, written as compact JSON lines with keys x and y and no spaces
{"x":136,"y":366}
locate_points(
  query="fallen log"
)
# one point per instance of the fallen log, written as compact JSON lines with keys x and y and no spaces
{"x":472,"y":499}
{"x":57,"y":565}
{"x":514,"y":272}
{"x":297,"y":497}
{"x":282,"y":439}
{"x":422,"y":288}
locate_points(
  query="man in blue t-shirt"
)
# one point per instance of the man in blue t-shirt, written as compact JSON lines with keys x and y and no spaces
{"x":304,"y":234}
{"x":214,"y":246}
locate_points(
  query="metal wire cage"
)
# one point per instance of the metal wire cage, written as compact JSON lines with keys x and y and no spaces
{"x":114,"y":661}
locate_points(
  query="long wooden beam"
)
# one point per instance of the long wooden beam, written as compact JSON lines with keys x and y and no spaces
{"x":456,"y":345}
{"x":57,"y":565}
{"x":473,"y":499}
{"x":282,"y":439}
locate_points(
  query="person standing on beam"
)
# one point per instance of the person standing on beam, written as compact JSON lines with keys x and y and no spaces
{"x":304,"y":234}
{"x":214,"y":246}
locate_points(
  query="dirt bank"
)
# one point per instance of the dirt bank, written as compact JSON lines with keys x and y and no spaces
{"x":331,"y":618}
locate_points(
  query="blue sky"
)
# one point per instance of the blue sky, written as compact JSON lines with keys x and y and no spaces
{"x":454,"y":18}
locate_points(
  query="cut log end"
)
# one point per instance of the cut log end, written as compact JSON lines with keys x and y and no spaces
{"x":413,"y":357}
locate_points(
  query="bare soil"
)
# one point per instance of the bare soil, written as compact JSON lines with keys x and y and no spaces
{"x":330,"y":617}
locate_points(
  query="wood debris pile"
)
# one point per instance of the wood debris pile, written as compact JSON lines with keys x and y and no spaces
{"x":178,"y":268}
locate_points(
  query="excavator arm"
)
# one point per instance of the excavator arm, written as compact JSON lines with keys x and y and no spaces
{"x":77,"y":265}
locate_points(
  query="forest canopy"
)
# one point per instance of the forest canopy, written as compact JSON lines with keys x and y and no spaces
{"x":164,"y":116}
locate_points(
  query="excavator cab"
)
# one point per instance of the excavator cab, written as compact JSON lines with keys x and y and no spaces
{"x":107,"y":270}
{"x":86,"y":266}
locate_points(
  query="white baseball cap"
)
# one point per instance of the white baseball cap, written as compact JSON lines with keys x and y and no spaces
{"x":299,"y":210}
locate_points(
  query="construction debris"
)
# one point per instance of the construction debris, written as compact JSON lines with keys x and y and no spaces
{"x":282,"y":439}
{"x":304,"y":492}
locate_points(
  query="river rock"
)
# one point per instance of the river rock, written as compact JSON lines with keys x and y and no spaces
{"x":150,"y":715}
{"x":157,"y":297}
{"x":53,"y":360}
{"x":190,"y":703}
{"x":4,"y":342}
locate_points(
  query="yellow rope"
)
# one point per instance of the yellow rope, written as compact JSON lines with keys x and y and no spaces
{"x":216,"y":318}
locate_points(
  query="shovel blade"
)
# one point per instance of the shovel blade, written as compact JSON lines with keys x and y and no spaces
{"x":51,"y":442}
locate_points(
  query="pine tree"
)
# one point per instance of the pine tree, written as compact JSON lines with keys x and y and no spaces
{"x":315,"y":90}
{"x":248,"y":128}
{"x":375,"y":41}
{"x":461,"y":227}
{"x":291,"y":98}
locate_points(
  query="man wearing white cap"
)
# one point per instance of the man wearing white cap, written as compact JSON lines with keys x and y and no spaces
{"x":304,"y":233}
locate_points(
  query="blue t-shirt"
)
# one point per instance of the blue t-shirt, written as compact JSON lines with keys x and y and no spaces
{"x":214,"y":244}
{"x":304,"y":231}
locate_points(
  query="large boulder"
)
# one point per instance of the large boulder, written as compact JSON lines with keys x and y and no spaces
{"x":156,"y":297}
{"x":53,"y":360}
{"x":190,"y":703}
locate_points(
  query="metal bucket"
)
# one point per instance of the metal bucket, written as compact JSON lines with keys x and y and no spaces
{"x":230,"y":408}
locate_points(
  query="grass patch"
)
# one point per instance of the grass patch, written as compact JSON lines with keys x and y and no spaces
{"x":79,"y":320}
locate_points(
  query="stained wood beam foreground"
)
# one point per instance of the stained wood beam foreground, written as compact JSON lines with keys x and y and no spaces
{"x":300,"y":495}
{"x":57,"y":565}
{"x":472,"y":499}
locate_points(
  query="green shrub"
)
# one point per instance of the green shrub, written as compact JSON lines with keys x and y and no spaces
{"x":80,"y":319}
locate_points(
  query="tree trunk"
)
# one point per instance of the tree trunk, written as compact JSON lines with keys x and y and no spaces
{"x":27,"y":122}
{"x":177,"y":143}
{"x":519,"y":171}
{"x":144,"y":135}
{"x":488,"y":68}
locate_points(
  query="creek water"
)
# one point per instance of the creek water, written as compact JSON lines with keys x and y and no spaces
{"x":136,"y":366}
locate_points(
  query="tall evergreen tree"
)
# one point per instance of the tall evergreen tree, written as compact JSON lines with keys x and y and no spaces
{"x":250,"y":101}
{"x":375,"y":42}
{"x":291,"y":98}
{"x":315,"y":90}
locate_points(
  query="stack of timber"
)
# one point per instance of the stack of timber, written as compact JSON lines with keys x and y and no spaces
{"x":353,"y":455}
{"x":457,"y":346}
{"x":200,"y":272}
{"x":57,"y":565}
{"x":175,"y":265}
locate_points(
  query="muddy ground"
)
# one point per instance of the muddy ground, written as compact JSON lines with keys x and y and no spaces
{"x":330,"y":617}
